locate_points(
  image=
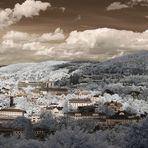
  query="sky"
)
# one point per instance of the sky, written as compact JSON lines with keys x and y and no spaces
{"x":34,"y":31}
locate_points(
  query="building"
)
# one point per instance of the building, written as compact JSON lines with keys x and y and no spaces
{"x":39,"y":133}
{"x":101,"y":119}
{"x":43,"y":87}
{"x":55,"y":110}
{"x":11,"y":113}
{"x":8,"y":114}
{"x":33,"y":84}
{"x":35,"y":119}
{"x":50,"y":84}
{"x":58,"y":90}
{"x":96,"y":117}
{"x":75,"y":103}
{"x":115,"y":106}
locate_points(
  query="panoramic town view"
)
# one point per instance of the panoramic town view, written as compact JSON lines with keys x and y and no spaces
{"x":73,"y":74}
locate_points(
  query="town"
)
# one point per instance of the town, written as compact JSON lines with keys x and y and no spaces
{"x":79,"y":108}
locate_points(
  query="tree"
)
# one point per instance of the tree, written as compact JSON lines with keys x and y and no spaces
{"x":74,"y":79}
{"x":29,"y":144}
{"x":75,"y":138}
{"x":48,"y":122}
{"x":28,"y":132}
{"x":137,"y":136}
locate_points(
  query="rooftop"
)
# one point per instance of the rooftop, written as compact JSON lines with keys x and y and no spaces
{"x":80,"y":100}
{"x":58,"y":89}
{"x":12,"y":110}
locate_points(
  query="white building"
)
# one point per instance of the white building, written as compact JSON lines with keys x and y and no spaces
{"x":35,"y":119}
{"x":50,"y":84}
{"x":11,"y":112}
{"x":75,"y":103}
{"x":55,"y":110}
{"x":8,"y":114}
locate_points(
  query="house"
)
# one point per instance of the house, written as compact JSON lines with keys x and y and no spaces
{"x":75,"y":103}
{"x":42,"y":87}
{"x":8,"y":114}
{"x":50,"y":84}
{"x":96,"y":117}
{"x":115,"y":106}
{"x":102,"y":121}
{"x":11,"y":112}
{"x":19,"y":132}
{"x":36,"y":86}
{"x":55,"y":110}
{"x":35,"y":119}
{"x":87,"y":109}
{"x":58,"y":90}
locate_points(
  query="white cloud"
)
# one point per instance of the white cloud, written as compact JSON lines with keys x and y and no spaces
{"x":107,"y":39}
{"x":16,"y":36}
{"x":129,"y":4}
{"x":33,"y":46}
{"x":26,"y":41}
{"x":138,"y":1}
{"x":95,"y":44}
{"x":78,"y":18}
{"x":63,"y":9}
{"x":5,"y":17}
{"x":27,"y":9}
{"x":58,"y":35}
{"x":116,"y":6}
{"x":7,"y":44}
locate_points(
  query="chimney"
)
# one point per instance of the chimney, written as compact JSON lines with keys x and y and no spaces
{"x":11,"y":101}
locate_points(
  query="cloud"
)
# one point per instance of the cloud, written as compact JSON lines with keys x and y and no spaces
{"x":109,"y":38}
{"x":63,"y":9}
{"x":41,"y":44}
{"x":116,"y":6}
{"x":27,"y":9}
{"x":138,"y":1}
{"x":58,"y":35}
{"x":16,"y":36}
{"x":97,"y":44}
{"x":129,"y":4}
{"x":78,"y":18}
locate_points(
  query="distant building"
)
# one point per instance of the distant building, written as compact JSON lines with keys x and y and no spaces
{"x":55,"y":110}
{"x":101,"y":120}
{"x":75,"y":103}
{"x":115,"y":106}
{"x":10,"y":113}
{"x":7,"y":114}
{"x":50,"y":84}
{"x":43,"y":87}
{"x":19,"y":132}
{"x":58,"y":91}
{"x":35,"y":119}
{"x":85,"y":115}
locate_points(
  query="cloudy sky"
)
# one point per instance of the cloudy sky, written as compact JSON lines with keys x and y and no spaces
{"x":32,"y":31}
